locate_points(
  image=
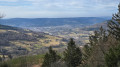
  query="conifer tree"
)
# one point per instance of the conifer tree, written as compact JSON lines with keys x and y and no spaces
{"x":112,"y":58}
{"x":93,"y":52}
{"x":72,"y":55}
{"x":114,"y":24}
{"x":50,"y":58}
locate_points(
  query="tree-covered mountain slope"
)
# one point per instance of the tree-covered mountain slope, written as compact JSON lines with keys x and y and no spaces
{"x":16,"y":41}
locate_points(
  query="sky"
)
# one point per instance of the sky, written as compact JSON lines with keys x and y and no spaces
{"x":58,"y":8}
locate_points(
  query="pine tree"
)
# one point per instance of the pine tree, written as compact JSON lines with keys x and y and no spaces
{"x":46,"y":62}
{"x":93,"y":52}
{"x":112,"y":57}
{"x":114,"y":24}
{"x":72,"y":55}
{"x":50,"y":58}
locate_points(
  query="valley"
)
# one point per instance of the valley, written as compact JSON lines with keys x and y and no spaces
{"x":81,"y":36}
{"x":35,"y":37}
{"x":67,"y":28}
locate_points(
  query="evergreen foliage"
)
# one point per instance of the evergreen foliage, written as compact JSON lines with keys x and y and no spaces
{"x":112,"y":57}
{"x":72,"y":55}
{"x":114,"y":24}
{"x":93,"y":52}
{"x":50,"y":58}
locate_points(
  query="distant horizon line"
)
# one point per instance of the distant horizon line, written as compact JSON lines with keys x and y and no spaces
{"x":55,"y":17}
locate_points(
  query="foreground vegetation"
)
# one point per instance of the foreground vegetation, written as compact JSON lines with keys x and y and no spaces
{"x":26,"y":61}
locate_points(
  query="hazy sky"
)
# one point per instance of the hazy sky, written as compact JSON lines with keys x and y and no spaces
{"x":58,"y":8}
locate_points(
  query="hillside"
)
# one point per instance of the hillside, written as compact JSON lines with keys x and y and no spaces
{"x":16,"y":41}
{"x":96,"y":26}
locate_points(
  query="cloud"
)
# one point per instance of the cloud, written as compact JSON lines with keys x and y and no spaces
{"x":58,"y":8}
{"x":9,"y":0}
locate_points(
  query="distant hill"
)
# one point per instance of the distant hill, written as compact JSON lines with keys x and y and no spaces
{"x":17,"y":41}
{"x":46,"y":22}
{"x":96,"y":26}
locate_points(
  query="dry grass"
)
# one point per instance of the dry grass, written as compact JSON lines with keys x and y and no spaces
{"x":48,"y":41}
{"x":29,"y":34}
{"x":3,"y":31}
{"x":13,"y":31}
